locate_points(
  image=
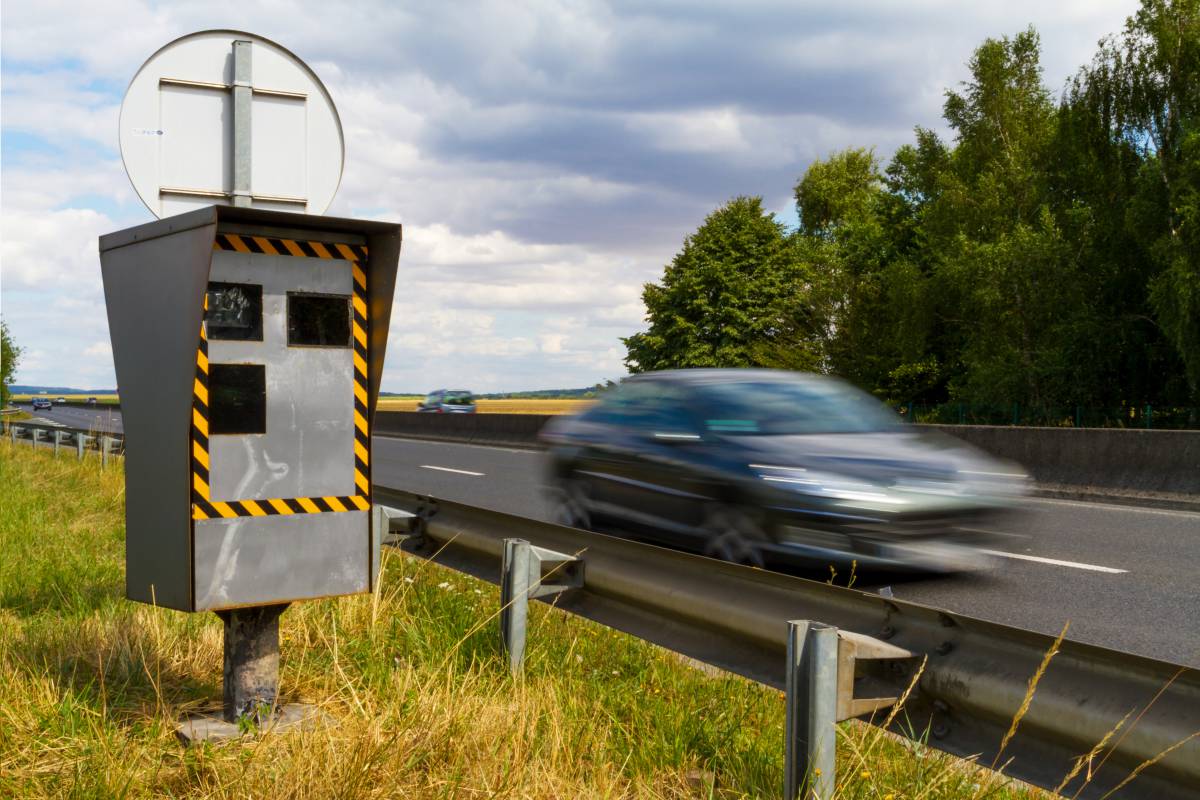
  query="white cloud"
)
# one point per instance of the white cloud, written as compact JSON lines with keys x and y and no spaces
{"x":546,"y":159}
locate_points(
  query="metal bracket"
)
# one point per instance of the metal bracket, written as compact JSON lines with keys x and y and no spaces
{"x":390,"y":526}
{"x":852,"y":648}
{"x":524,"y":570}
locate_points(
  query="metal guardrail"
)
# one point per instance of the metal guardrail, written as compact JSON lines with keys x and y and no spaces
{"x":972,"y":686}
{"x":106,"y":444}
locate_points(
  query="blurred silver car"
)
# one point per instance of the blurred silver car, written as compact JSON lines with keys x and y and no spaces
{"x":771,"y":467}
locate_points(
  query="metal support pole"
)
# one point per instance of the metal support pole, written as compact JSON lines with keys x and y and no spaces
{"x":242,"y":96}
{"x":33,"y":437}
{"x":251,"y":663}
{"x":514,"y":601}
{"x":812,"y":699}
{"x":103,"y":452}
{"x":57,"y":442}
{"x":79,"y":445}
{"x":521,"y":581}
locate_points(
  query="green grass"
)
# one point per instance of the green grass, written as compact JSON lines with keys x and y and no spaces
{"x":91,"y":686}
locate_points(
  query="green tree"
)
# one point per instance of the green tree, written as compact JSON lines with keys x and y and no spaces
{"x":731,"y":287}
{"x":10,"y":356}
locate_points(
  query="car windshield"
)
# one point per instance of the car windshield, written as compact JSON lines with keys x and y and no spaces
{"x":459,"y":399}
{"x":780,"y":408}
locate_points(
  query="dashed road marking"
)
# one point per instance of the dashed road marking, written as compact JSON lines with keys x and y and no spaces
{"x":1056,"y":562}
{"x":450,"y":469}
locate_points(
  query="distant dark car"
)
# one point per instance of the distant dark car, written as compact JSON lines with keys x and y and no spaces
{"x":770,"y":467}
{"x":42,"y":404}
{"x":448,"y":401}
{"x":91,"y":401}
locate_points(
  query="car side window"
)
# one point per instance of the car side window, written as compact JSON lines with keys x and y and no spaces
{"x":431,"y":399}
{"x":645,"y":406}
{"x":666,"y":412}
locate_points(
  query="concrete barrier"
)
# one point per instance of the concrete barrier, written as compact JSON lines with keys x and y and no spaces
{"x":1139,"y":466}
{"x":1158,"y":467}
{"x":510,"y":430}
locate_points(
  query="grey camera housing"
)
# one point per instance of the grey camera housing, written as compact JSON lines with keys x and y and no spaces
{"x":247,"y":460}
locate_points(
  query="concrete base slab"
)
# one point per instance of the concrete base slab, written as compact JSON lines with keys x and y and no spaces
{"x":213,"y":727}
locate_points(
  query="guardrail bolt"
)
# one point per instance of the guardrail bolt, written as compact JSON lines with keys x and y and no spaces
{"x":944,"y":648}
{"x":811,"y":716}
{"x":887,"y":632}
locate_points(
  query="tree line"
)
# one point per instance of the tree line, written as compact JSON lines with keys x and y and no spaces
{"x":1048,"y":254}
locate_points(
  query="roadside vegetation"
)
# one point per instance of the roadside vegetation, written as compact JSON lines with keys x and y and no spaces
{"x":1041,"y":264}
{"x":412,"y":678}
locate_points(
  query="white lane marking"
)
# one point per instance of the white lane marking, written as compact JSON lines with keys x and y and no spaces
{"x":1112,"y":507}
{"x":449,"y":469}
{"x":1055,"y":562}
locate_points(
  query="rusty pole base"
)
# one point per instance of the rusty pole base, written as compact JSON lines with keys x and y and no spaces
{"x":251,"y":681}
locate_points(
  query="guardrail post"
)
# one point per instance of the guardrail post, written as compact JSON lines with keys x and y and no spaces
{"x":33,"y":437}
{"x":79,"y":445}
{"x":57,"y":442}
{"x":104,"y":444}
{"x":812,"y":693}
{"x":514,"y":604}
{"x":521,"y":581}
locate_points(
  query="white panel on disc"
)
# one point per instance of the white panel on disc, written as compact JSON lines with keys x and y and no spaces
{"x":198,"y":153}
{"x":178,"y":137}
{"x":280,"y":137}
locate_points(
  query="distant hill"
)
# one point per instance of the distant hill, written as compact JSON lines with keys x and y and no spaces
{"x":533,"y":394}
{"x":544,"y":394}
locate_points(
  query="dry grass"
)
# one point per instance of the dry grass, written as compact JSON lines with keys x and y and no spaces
{"x":505,"y":406}
{"x":413,"y":679}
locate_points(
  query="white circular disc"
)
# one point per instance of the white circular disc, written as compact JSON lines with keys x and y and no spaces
{"x":177,"y":128}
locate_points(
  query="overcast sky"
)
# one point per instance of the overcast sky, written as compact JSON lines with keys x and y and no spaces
{"x":545,"y":158}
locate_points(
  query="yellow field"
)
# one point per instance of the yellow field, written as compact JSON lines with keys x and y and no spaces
{"x":495,"y":406}
{"x":399,"y":404}
{"x":79,"y":398}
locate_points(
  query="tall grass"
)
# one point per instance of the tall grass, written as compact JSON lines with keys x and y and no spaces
{"x":418,"y":694}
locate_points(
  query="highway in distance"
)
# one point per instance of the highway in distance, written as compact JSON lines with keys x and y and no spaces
{"x":1124,"y":577}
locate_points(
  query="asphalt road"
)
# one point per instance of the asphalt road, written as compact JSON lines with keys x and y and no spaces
{"x":101,"y":419}
{"x":1124,"y":577}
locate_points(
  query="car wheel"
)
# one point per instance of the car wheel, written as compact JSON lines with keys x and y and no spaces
{"x":731,"y":534}
{"x":571,"y":505}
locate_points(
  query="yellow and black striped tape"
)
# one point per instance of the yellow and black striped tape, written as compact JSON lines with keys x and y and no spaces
{"x":272,"y":246}
{"x":203,"y":506}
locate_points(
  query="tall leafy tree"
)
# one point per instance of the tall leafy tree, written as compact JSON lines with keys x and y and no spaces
{"x":730,"y":287}
{"x":10,"y":356}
